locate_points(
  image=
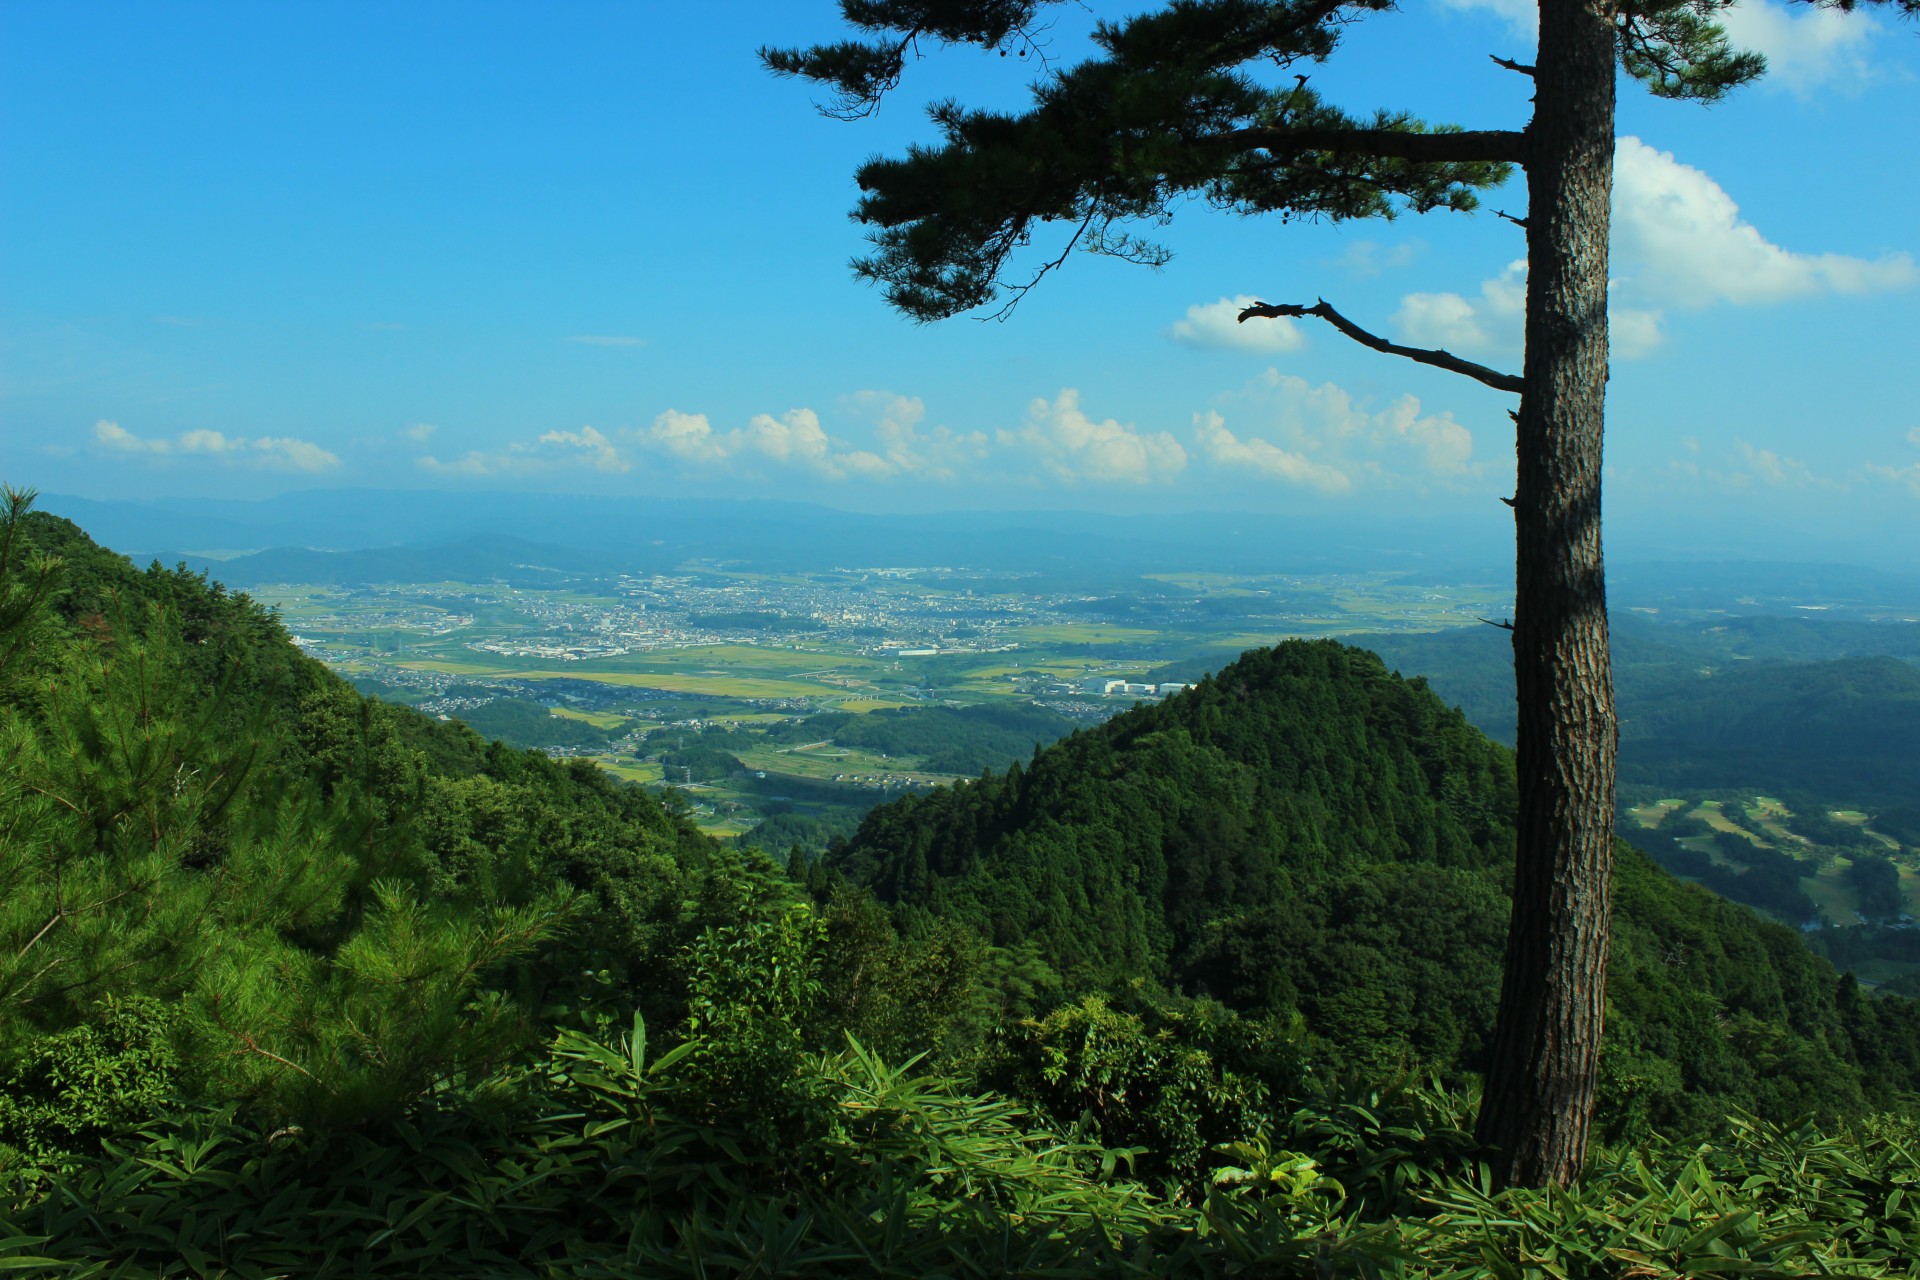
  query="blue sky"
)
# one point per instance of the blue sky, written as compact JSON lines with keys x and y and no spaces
{"x":592,"y":247}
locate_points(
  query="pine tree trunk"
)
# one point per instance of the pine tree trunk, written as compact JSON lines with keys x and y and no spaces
{"x":1546,"y":1047}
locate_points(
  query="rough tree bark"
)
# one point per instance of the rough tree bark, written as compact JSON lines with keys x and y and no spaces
{"x":1546,"y":1048}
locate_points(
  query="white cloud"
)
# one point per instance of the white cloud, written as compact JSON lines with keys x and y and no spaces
{"x":687,"y":436}
{"x":1634,"y":331}
{"x":283,"y":453}
{"x":475,"y":463}
{"x":271,"y":453}
{"x":1747,"y":466}
{"x":1679,"y":238}
{"x":1073,"y":448}
{"x":551,"y":451}
{"x":1777,"y":471}
{"x":1908,"y":476}
{"x":607,"y":340}
{"x":937,"y":453}
{"x":419,"y":432}
{"x":1263,"y":456}
{"x":1806,"y":48}
{"x":1490,"y":322}
{"x":1216,"y":326}
{"x":1678,"y":241}
{"x":796,"y":441}
{"x":1319,"y":437}
{"x":594,"y":447}
{"x":113,"y":436}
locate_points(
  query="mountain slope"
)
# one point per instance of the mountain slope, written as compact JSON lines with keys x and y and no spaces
{"x":1306,"y":835}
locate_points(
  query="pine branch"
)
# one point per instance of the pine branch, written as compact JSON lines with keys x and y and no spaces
{"x":1471,"y":146}
{"x":1420,"y":355}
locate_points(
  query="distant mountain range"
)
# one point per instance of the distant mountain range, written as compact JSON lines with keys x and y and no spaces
{"x":646,"y":534}
{"x":483,"y":558}
{"x":1829,"y":708}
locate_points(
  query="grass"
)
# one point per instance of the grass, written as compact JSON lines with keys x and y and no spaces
{"x":1831,"y":893}
{"x":707,"y":684}
{"x":629,"y":770}
{"x":1082,"y":633}
{"x":1709,"y":812}
{"x":598,"y":719}
{"x":751,"y":658}
{"x":1652,"y":815}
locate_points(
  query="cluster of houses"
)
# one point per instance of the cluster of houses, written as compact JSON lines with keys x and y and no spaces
{"x":1133,"y":689}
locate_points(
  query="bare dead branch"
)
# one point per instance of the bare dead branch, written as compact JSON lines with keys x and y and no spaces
{"x":1511,"y":65}
{"x":1507,"y":217}
{"x":1504,"y":626}
{"x":1420,"y":355}
{"x":1019,"y":291}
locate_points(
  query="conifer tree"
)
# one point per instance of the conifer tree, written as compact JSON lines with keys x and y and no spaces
{"x":1201,"y":98}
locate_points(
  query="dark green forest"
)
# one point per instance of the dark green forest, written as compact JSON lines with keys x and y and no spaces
{"x":1779,"y":705}
{"x":1316,"y":843}
{"x":298,"y":982}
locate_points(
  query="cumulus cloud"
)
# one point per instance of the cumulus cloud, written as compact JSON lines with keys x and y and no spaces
{"x":908,"y":448}
{"x":1678,"y":242}
{"x":594,"y":448}
{"x":1320,"y":437}
{"x":1490,"y":321}
{"x":797,"y":441}
{"x":1806,"y":48}
{"x":270,"y":453}
{"x":1493,"y":320}
{"x":1747,"y":466}
{"x":1908,"y":477}
{"x":1263,"y":456}
{"x":419,"y":432}
{"x":1680,"y":239}
{"x":1216,"y":326}
{"x":1073,"y":447}
{"x":1777,"y":471}
{"x":554,"y":450}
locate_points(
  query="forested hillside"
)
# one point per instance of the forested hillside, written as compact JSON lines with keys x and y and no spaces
{"x":1771,"y":704}
{"x":297,"y":982}
{"x":1305,"y":835}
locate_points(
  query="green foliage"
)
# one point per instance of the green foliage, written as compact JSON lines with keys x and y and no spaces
{"x":600,"y":1167}
{"x":1902,"y":823}
{"x":1778,"y":1200}
{"x":1126,"y":135}
{"x":1168,"y":1087}
{"x":278,"y":963}
{"x":605,"y":1168}
{"x":522,"y":722}
{"x":955,"y":740}
{"x":67,"y":1091}
{"x":813,"y":832}
{"x":1677,"y":50}
{"x":1877,"y":881}
{"x":342,"y":904}
{"x":1306,"y":834}
{"x":700,"y":764}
